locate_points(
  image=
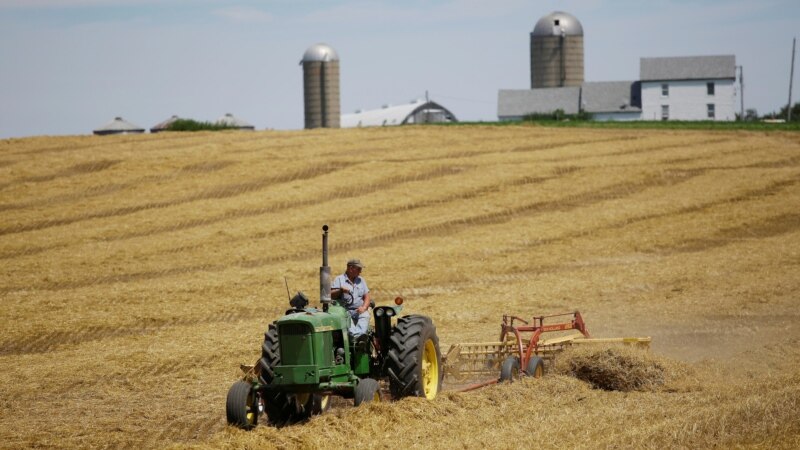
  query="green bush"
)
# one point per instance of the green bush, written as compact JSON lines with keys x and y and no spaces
{"x":194,"y":125}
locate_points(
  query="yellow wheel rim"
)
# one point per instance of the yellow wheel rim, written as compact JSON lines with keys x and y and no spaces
{"x":430,"y":370}
{"x":323,"y":404}
{"x":252,"y":410}
{"x":538,"y":372}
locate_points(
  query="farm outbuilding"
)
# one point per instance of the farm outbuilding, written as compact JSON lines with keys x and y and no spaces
{"x":415,"y":112}
{"x":162,"y":126}
{"x":612,"y":100}
{"x":234,"y":122}
{"x":118,"y":126}
{"x":515,"y":104}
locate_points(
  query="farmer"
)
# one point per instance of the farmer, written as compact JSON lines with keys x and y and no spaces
{"x":352,"y":293}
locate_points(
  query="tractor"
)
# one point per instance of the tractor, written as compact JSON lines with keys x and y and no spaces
{"x":308,"y":356}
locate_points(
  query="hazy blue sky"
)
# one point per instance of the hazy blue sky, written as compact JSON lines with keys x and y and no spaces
{"x":69,"y":66}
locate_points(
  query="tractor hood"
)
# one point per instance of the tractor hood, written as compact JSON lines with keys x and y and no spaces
{"x":336,"y":318}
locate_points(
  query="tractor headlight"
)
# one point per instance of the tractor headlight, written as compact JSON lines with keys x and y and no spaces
{"x":389,"y":312}
{"x":379,"y":312}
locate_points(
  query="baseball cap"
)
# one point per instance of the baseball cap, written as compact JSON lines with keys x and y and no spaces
{"x":355,"y":262}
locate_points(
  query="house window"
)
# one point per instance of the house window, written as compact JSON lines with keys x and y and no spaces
{"x":665,"y":90}
{"x":664,"y":112}
{"x":711,"y":110}
{"x":710,"y":88}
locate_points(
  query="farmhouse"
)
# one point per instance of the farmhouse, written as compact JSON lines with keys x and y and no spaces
{"x":417,"y":111}
{"x":688,"y":88}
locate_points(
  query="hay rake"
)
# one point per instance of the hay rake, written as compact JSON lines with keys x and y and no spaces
{"x":520,"y":351}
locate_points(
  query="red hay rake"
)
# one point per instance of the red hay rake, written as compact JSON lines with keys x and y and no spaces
{"x":522,"y":341}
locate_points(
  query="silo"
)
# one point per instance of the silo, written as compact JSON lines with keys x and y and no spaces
{"x":557,"y":51}
{"x":321,"y":87}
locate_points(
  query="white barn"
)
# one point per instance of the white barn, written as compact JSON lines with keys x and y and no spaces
{"x":416,"y":112}
{"x":688,"y":88}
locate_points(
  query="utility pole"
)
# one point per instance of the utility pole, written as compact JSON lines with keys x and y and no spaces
{"x":741,"y":92}
{"x":791,"y":77}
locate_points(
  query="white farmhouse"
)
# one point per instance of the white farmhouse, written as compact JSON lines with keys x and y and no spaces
{"x":688,"y":88}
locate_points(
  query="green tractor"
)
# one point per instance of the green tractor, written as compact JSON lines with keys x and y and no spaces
{"x":308,"y":356}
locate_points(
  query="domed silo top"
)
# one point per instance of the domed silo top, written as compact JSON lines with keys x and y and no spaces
{"x":320,"y":52}
{"x":556,"y":23}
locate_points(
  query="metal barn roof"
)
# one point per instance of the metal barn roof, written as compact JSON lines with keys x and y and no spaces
{"x":230,"y":120}
{"x":394,"y":115}
{"x":688,"y":68}
{"x":517,"y":103}
{"x":119,"y":126}
{"x":161,"y":126}
{"x":611,"y":96}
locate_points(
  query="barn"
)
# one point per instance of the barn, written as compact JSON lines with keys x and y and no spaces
{"x":415,"y":112}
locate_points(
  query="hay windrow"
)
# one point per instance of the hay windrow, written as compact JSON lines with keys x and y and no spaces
{"x":621,"y":368}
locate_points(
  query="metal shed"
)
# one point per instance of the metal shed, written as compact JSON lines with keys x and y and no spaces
{"x":234,"y":122}
{"x":415,"y":112}
{"x":118,"y":126}
{"x":162,"y":126}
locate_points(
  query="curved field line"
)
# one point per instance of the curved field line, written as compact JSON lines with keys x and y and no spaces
{"x":220,"y":192}
{"x":96,"y":191}
{"x":47,"y":342}
{"x":523,"y":149}
{"x":345,"y":193}
{"x":771,"y":227}
{"x":78,"y":169}
{"x":619,"y":190}
{"x":616,"y":191}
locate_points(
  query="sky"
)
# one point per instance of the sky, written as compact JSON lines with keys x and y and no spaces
{"x":70,"y":66}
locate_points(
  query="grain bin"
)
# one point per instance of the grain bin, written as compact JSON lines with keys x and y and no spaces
{"x":557,"y":51}
{"x":321,"y":87}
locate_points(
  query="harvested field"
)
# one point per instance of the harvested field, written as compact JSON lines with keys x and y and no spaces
{"x":138,"y":272}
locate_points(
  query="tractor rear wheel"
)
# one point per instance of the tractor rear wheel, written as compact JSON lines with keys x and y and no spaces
{"x":242,"y":405}
{"x":270,"y":355}
{"x":414,"y":360}
{"x":509,"y":371}
{"x":367,"y":390}
{"x":535,"y":367}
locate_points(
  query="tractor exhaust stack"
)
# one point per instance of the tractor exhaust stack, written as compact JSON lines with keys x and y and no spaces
{"x":325,"y":273}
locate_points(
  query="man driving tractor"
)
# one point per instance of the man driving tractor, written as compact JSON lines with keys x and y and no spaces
{"x":351,"y":292}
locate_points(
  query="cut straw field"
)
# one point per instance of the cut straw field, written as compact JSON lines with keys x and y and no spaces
{"x":138,"y":272}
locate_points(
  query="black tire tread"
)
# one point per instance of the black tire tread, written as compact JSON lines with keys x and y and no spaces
{"x":236,"y":405}
{"x":405,"y":353}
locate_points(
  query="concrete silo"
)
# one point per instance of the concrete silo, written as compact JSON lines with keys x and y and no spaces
{"x":321,"y":87}
{"x":557,"y":51}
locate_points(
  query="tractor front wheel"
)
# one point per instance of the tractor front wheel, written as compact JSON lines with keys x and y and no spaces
{"x":414,"y":360}
{"x":242,"y":406}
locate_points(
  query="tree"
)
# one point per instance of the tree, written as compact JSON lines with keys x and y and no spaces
{"x":782,"y":113}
